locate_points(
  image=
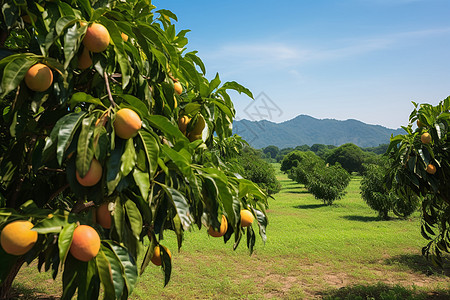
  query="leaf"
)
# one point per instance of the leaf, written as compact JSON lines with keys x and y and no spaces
{"x":163,"y":124}
{"x":105,"y":274}
{"x":136,"y":104}
{"x":71,"y":38}
{"x":128,"y":158}
{"x":115,"y":268}
{"x":151,"y":147}
{"x":180,"y":204}
{"x":128,"y":265}
{"x":142,"y":180}
{"x":166,"y":264}
{"x":70,"y":276}
{"x":63,"y":22}
{"x":7,"y":261}
{"x":81,"y":97}
{"x":233,"y":85}
{"x":14,"y":73}
{"x":113,"y":174}
{"x":135,"y":218}
{"x":251,"y":239}
{"x":65,"y":240}
{"x":52,"y":224}
{"x":85,"y":151}
{"x":63,"y":133}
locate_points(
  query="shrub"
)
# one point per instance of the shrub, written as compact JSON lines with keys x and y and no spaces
{"x":350,"y":156}
{"x":328,"y":183}
{"x":305,"y":167}
{"x":256,"y":169}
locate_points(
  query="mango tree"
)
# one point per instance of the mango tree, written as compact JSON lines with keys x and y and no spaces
{"x":110,"y":134}
{"x":421,"y":164}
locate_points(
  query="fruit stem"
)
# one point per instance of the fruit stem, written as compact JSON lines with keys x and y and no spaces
{"x":108,"y":89}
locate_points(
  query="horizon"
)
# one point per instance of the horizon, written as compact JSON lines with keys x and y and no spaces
{"x":351,"y":59}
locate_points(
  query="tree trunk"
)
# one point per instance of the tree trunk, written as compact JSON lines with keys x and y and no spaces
{"x":6,"y":285}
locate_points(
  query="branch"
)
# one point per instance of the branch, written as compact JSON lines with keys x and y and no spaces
{"x":108,"y":89}
{"x":81,"y":206}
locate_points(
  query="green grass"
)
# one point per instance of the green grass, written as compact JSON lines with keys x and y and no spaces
{"x":343,"y":251}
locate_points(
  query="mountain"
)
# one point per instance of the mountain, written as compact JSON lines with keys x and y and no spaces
{"x":307,"y":130}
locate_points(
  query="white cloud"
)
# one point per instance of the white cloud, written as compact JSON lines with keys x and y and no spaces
{"x":281,"y":55}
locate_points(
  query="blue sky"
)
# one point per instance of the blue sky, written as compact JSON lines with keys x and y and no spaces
{"x":339,"y":59}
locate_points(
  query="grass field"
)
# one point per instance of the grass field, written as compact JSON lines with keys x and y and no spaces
{"x":313,"y":251}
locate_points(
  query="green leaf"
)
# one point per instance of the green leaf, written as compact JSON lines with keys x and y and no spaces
{"x":71,"y":38}
{"x":142,"y":180}
{"x":113,"y":174}
{"x":85,"y":149}
{"x":166,"y":264}
{"x":128,"y":265}
{"x":81,"y":97}
{"x":135,"y":218}
{"x":151,"y":147}
{"x":180,"y":204}
{"x":65,"y":240}
{"x":163,"y":124}
{"x":115,"y":268}
{"x":128,"y":158}
{"x":64,"y":131}
{"x":70,"y":276}
{"x":233,"y":85}
{"x":105,"y":274}
{"x":63,"y":22}
{"x":14,"y":73}
{"x":7,"y":261}
{"x":54,"y":223}
{"x":135,"y":104}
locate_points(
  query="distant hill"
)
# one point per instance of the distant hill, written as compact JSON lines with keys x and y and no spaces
{"x":307,"y":130}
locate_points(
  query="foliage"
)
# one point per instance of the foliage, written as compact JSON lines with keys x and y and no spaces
{"x":329,"y":183}
{"x":384,"y":198}
{"x":292,"y":160}
{"x":271,"y":150}
{"x":410,"y":158}
{"x":157,"y":180}
{"x":305,"y":167}
{"x":254,"y":168}
{"x":380,"y":149}
{"x":321,"y":150}
{"x":350,"y":156}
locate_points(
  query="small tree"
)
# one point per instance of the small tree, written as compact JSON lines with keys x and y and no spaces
{"x":350,"y":156}
{"x":384,"y":198}
{"x":329,"y":183}
{"x":306,"y":167}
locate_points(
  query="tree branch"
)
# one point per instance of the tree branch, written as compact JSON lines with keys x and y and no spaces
{"x":108,"y":89}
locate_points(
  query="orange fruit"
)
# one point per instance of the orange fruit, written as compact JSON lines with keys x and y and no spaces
{"x":93,"y":176}
{"x":96,"y":38}
{"x":39,"y":77}
{"x":183,"y":123}
{"x":127,"y":123}
{"x":431,"y":169}
{"x":124,"y":37}
{"x":222,"y":230}
{"x":425,"y":138}
{"x":103,"y":216}
{"x":84,"y":60}
{"x":85,"y":243}
{"x":17,"y":238}
{"x":246,"y":218}
{"x":156,"y":258}
{"x":178,"y":87}
{"x":199,"y":126}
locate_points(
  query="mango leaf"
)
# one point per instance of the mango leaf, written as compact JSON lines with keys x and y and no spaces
{"x":128,"y":265}
{"x":166,"y":264}
{"x":105,"y":273}
{"x":7,"y":261}
{"x":54,"y":223}
{"x":63,"y":22}
{"x":62,"y":134}
{"x":88,"y":281}
{"x":135,"y":104}
{"x":115,"y":268}
{"x":135,"y":218}
{"x":113,"y":174}
{"x":70,"y":276}
{"x":14,"y":73}
{"x":71,"y":38}
{"x":128,"y":158}
{"x":151,"y":147}
{"x":142,"y":180}
{"x":85,"y":150}
{"x":81,"y":97}
{"x":233,"y":85}
{"x":251,"y":238}
{"x":65,"y":240}
{"x":163,"y":124}
{"x":180,"y":204}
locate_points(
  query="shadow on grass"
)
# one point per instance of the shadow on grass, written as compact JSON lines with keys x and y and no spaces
{"x":297,"y":192}
{"x":419,"y":263}
{"x":18,"y":291}
{"x":363,"y":218}
{"x":383,"y":291}
{"x":310,"y":206}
